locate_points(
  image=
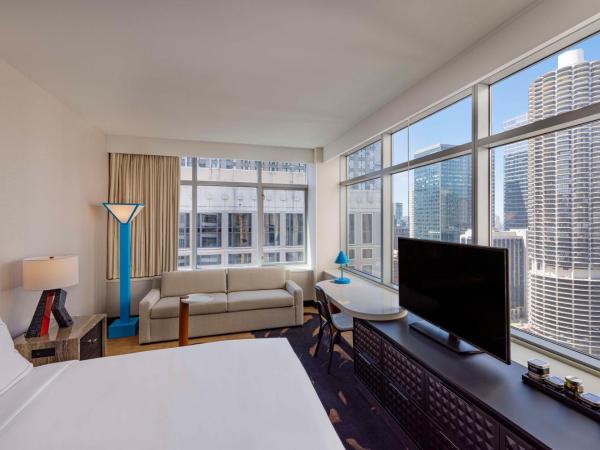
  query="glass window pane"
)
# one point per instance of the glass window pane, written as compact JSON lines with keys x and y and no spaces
{"x":444,"y":129}
{"x":400,"y":146}
{"x":226,"y":218}
{"x":218,"y":169}
{"x":185,"y":227}
{"x":284,"y":172}
{"x":365,"y":160}
{"x":186,"y":164}
{"x":546,"y":210}
{"x":400,"y":216}
{"x":364,"y":204}
{"x":562,"y":82}
{"x":284,"y":222}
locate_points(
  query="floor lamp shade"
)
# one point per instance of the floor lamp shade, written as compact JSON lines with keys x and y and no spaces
{"x":50,"y":274}
{"x":124,"y":213}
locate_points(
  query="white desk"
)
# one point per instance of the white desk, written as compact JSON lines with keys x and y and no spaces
{"x":363,"y":300}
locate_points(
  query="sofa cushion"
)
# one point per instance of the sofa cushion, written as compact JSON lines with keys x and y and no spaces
{"x":254,"y":278}
{"x":168,"y":307}
{"x":260,"y":299}
{"x":174,"y":284}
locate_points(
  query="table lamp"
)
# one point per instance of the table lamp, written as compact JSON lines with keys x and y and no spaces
{"x":50,"y":274}
{"x":342,"y":260}
{"x":125,"y":325}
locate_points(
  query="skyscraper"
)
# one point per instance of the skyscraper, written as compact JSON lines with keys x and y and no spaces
{"x":564,"y":209}
{"x":515,"y":179}
{"x":442,"y":198}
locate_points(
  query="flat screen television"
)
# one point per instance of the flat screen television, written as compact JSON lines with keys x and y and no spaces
{"x":461,"y":290}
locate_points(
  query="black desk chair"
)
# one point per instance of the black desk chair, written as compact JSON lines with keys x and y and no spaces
{"x":337,"y":323}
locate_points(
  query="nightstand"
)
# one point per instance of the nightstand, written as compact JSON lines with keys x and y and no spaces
{"x":85,"y":339}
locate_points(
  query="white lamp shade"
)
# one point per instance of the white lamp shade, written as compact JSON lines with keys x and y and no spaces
{"x":124,"y":212}
{"x":50,"y":272}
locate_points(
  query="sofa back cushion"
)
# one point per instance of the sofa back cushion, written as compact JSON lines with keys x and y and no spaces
{"x":255,"y":278}
{"x":175,"y":284}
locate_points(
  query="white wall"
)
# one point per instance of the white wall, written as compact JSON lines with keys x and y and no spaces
{"x":53,"y":178}
{"x":540,"y":25}
{"x":327,"y":215}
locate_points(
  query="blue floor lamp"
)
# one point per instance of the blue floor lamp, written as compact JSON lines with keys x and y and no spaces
{"x":125,"y":325}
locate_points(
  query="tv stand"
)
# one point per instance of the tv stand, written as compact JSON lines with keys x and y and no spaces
{"x":448,"y":340}
{"x":442,"y":400}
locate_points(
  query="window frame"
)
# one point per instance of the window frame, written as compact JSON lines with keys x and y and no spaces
{"x":480,"y":147}
{"x":259,"y":225}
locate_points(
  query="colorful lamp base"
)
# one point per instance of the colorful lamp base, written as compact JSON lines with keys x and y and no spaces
{"x":121,"y":328}
{"x":342,"y":280}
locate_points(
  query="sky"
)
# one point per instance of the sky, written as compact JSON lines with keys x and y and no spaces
{"x":452,"y":125}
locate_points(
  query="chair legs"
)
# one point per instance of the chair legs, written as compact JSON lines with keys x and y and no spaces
{"x":333,"y":338}
{"x":321,"y":327}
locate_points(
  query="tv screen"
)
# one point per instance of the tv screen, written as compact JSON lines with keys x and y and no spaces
{"x":462,"y":289}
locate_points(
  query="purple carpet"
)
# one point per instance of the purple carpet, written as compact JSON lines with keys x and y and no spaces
{"x":357,"y":421}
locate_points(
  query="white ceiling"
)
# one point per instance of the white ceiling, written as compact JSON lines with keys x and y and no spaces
{"x":280,"y":72}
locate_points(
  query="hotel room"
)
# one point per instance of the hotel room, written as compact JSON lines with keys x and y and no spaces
{"x":300,"y":224}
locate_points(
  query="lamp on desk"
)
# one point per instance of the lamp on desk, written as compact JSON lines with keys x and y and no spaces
{"x":50,"y":274}
{"x":124,"y":213}
{"x":342,"y":260}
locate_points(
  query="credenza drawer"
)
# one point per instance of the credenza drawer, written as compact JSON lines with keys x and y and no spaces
{"x":406,"y":413}
{"x":367,"y":342}
{"x":404,"y":373}
{"x":367,"y":372}
{"x":462,"y":422}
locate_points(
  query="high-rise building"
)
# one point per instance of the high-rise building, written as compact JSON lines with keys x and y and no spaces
{"x":515,"y":242}
{"x":515,"y":179}
{"x":442,"y":198}
{"x":564,"y":209}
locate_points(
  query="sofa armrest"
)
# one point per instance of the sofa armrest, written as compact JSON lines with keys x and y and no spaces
{"x":293,"y":288}
{"x":145,"y":307}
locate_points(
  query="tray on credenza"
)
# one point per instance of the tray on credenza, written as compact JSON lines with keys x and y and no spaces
{"x":561,"y":397}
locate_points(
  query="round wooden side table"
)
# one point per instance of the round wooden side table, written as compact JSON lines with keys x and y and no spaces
{"x":184,"y":315}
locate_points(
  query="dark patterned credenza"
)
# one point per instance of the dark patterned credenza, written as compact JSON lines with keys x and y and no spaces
{"x":443,"y":400}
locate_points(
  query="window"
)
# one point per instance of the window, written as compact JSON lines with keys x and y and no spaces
{"x":185,"y":228}
{"x":218,"y":214}
{"x":272,"y":237}
{"x":284,"y":208}
{"x":364,"y":202}
{"x":208,"y":260}
{"x":565,"y":81}
{"x":240,"y":230}
{"x":238,"y":170}
{"x":365,"y":160}
{"x":208,"y":230}
{"x":541,"y":189}
{"x":351,"y":229}
{"x":294,"y":256}
{"x":236,"y":259}
{"x":294,"y":226}
{"x":284,"y":172}
{"x":440,"y":131}
{"x":272,"y":257}
{"x":547,"y":215}
{"x":432,"y":202}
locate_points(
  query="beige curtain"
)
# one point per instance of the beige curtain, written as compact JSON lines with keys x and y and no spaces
{"x":153,"y":181}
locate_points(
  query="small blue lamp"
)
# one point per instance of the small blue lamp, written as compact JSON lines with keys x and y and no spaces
{"x":342,"y":260}
{"x":124,"y":213}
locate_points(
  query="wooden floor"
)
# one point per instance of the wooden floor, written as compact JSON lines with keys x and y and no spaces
{"x":123,"y":346}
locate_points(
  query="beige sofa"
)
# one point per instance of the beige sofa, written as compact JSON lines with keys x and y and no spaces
{"x":242,"y":299}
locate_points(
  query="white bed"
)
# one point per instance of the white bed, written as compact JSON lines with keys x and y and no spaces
{"x":247,"y":394}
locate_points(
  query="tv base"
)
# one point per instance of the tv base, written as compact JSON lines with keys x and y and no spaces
{"x":446,"y":339}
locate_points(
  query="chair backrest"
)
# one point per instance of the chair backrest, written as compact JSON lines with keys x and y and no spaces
{"x":322,"y":304}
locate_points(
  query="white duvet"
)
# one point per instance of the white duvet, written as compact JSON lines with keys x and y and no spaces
{"x":247,"y":394}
